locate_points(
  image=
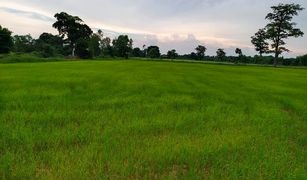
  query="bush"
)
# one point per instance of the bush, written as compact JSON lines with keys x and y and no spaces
{"x":29,"y":57}
{"x":82,"y":49}
{"x":47,"y":51}
{"x":302,"y":60}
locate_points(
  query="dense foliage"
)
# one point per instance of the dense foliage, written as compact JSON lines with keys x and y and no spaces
{"x":6,"y":42}
{"x":279,"y":28}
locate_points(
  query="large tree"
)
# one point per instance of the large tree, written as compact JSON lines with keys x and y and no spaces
{"x":122,"y":46}
{"x":200,"y":51}
{"x":137,"y":52}
{"x":259,"y":41}
{"x":72,"y":29}
{"x":220,"y":54}
{"x":24,"y":43}
{"x":172,"y":54}
{"x":95,"y":43}
{"x":153,"y":52}
{"x":107,"y":49}
{"x":281,"y":27}
{"x":49,"y":45}
{"x":6,"y":41}
{"x":239,"y":52}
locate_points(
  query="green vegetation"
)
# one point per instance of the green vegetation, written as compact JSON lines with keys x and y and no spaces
{"x":75,"y":39}
{"x":6,"y":41}
{"x":29,"y":57}
{"x":281,"y":27}
{"x":158,"y":120}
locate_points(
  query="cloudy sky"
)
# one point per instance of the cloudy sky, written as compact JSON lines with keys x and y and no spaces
{"x":178,"y":24}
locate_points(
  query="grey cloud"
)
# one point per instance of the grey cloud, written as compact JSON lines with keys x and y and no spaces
{"x":32,"y":15}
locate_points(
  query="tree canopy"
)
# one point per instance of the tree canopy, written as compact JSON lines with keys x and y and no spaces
{"x":200,"y":51}
{"x":239,"y":52}
{"x":281,"y":27}
{"x":220,"y":53}
{"x":259,"y":41}
{"x":153,"y":52}
{"x":6,"y":41}
{"x":172,"y":54}
{"x":122,"y":46}
{"x":72,"y":29}
{"x":23,"y":43}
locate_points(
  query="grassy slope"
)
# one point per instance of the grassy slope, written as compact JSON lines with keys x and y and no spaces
{"x":139,"y":119}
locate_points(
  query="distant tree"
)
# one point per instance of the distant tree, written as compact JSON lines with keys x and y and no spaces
{"x":105,"y":42}
{"x":200,"y":51}
{"x":172,"y":54}
{"x":6,"y":41}
{"x":49,"y":45}
{"x":137,"y":52}
{"x":193,"y":56}
{"x":72,"y":29}
{"x":51,"y":39}
{"x":83,"y":49}
{"x":144,"y":50}
{"x":95,"y":43}
{"x":122,"y":46}
{"x":239,"y":52}
{"x":281,"y":27}
{"x":130,"y":44}
{"x":153,"y":52}
{"x":259,"y":41}
{"x":220,"y":54}
{"x":302,"y":60}
{"x":23,"y":43}
{"x":107,"y":49}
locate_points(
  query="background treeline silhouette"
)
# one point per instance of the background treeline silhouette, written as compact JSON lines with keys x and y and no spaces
{"x":77,"y":40}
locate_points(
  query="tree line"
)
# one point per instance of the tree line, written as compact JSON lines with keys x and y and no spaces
{"x":76,"y":39}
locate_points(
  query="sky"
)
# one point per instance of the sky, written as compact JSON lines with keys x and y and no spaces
{"x":170,"y":24}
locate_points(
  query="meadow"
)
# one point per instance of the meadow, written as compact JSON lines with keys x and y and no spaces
{"x":131,"y":119}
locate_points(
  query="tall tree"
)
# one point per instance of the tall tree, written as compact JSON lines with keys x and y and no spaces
{"x":153,"y":52}
{"x":259,"y":41}
{"x":239,"y":52}
{"x":281,"y":27}
{"x":220,"y":54}
{"x":172,"y":54}
{"x":122,"y":46}
{"x":49,"y":45}
{"x":6,"y":41}
{"x":137,"y":52}
{"x":200,"y":51}
{"x":72,"y":28}
{"x":83,"y":49}
{"x":95,"y":43}
{"x":107,"y":49}
{"x":23,"y":43}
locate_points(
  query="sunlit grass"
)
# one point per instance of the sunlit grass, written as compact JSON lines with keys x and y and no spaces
{"x":137,"y":119}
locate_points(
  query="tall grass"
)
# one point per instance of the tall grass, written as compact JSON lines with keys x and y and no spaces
{"x":151,"y":120}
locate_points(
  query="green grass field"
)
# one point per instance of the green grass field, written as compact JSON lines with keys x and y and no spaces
{"x":152,"y":120}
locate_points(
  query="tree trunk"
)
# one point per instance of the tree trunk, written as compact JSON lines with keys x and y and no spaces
{"x":277,"y":47}
{"x":276,"y":52}
{"x":73,"y":50}
{"x":276,"y":57}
